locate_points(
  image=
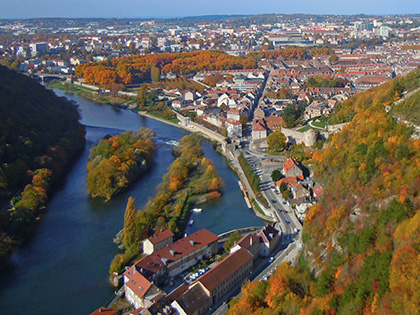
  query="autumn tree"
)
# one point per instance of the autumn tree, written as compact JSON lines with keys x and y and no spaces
{"x":141,"y":99}
{"x":276,"y":141}
{"x":130,"y":223}
{"x":155,"y":73}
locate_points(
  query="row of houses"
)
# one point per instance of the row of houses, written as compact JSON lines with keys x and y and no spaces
{"x":220,"y":107}
{"x":304,"y":190}
{"x":167,"y":259}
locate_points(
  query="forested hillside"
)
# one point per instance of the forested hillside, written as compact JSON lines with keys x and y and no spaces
{"x":39,"y":135}
{"x":117,"y":161}
{"x":361,"y":242}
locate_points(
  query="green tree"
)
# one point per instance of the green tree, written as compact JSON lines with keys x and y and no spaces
{"x":276,"y":175}
{"x":276,"y":141}
{"x":141,"y":101}
{"x":154,"y":73}
{"x":130,"y":223}
{"x":243,"y":120}
{"x":290,"y":115}
{"x":234,"y":237}
{"x":283,"y":187}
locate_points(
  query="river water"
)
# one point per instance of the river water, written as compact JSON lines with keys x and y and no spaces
{"x":63,"y":268}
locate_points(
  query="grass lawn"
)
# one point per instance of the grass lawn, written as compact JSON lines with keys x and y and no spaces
{"x":319,"y":124}
{"x":303,"y":129}
{"x":258,"y":207}
{"x":157,"y":114}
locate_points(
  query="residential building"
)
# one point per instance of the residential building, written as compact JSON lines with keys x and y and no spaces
{"x":291,"y":168}
{"x":228,"y":273}
{"x":234,"y":128}
{"x":174,"y":258}
{"x":139,"y":291}
{"x":250,"y":242}
{"x":269,"y":238}
{"x":194,"y":301}
{"x":157,"y":241}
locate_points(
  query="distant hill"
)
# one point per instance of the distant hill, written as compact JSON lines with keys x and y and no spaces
{"x":361,"y":242}
{"x":39,"y":135}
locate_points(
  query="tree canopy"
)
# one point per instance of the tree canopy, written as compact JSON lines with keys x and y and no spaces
{"x":361,"y":240}
{"x":276,"y":141}
{"x":40,"y":134}
{"x":117,"y":161}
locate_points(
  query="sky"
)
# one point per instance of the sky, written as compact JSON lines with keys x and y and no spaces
{"x":11,"y":9}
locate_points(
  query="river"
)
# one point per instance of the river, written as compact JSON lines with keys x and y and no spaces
{"x":63,"y":267}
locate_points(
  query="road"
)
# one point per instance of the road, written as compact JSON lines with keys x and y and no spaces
{"x":291,"y":241}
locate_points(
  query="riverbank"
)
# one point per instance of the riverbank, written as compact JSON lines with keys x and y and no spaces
{"x":230,"y":157}
{"x":76,"y":231}
{"x":207,"y":133}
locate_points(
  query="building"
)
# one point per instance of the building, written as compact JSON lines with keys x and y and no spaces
{"x":194,"y":301}
{"x":174,"y":258}
{"x":250,"y":242}
{"x":104,"y":311}
{"x":290,"y":168}
{"x":157,"y":241}
{"x":269,"y":238}
{"x":234,"y":128}
{"x":139,"y":291}
{"x":38,"y":49}
{"x":227,"y":274}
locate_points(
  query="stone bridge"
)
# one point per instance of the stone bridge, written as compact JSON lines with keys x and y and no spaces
{"x":53,"y":76}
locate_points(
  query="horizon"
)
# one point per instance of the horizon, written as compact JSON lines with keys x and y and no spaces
{"x":202,"y":16}
{"x":168,"y":9}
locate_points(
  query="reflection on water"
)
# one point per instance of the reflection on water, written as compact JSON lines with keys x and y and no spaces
{"x":63,"y":268}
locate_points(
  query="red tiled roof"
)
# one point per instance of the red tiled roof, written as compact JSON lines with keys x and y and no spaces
{"x":160,"y":236}
{"x":233,"y":122}
{"x":258,"y":125}
{"x":104,"y":311}
{"x":288,"y":164}
{"x":177,"y":250}
{"x":289,"y":179}
{"x":225,"y":269}
{"x":318,"y":191}
{"x":175,"y":294}
{"x":247,"y":240}
{"x":137,"y":282}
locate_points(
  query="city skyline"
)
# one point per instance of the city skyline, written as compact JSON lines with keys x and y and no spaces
{"x":169,"y":8}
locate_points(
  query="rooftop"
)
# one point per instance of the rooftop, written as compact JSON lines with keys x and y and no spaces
{"x":225,"y":269}
{"x":160,"y":236}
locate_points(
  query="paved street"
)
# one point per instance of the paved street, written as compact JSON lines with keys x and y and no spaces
{"x":290,"y":243}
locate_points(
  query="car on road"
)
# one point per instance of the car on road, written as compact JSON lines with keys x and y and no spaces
{"x":284,"y":202}
{"x":271,"y":259}
{"x":284,"y":211}
{"x":287,"y":221}
{"x":273,"y":201}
